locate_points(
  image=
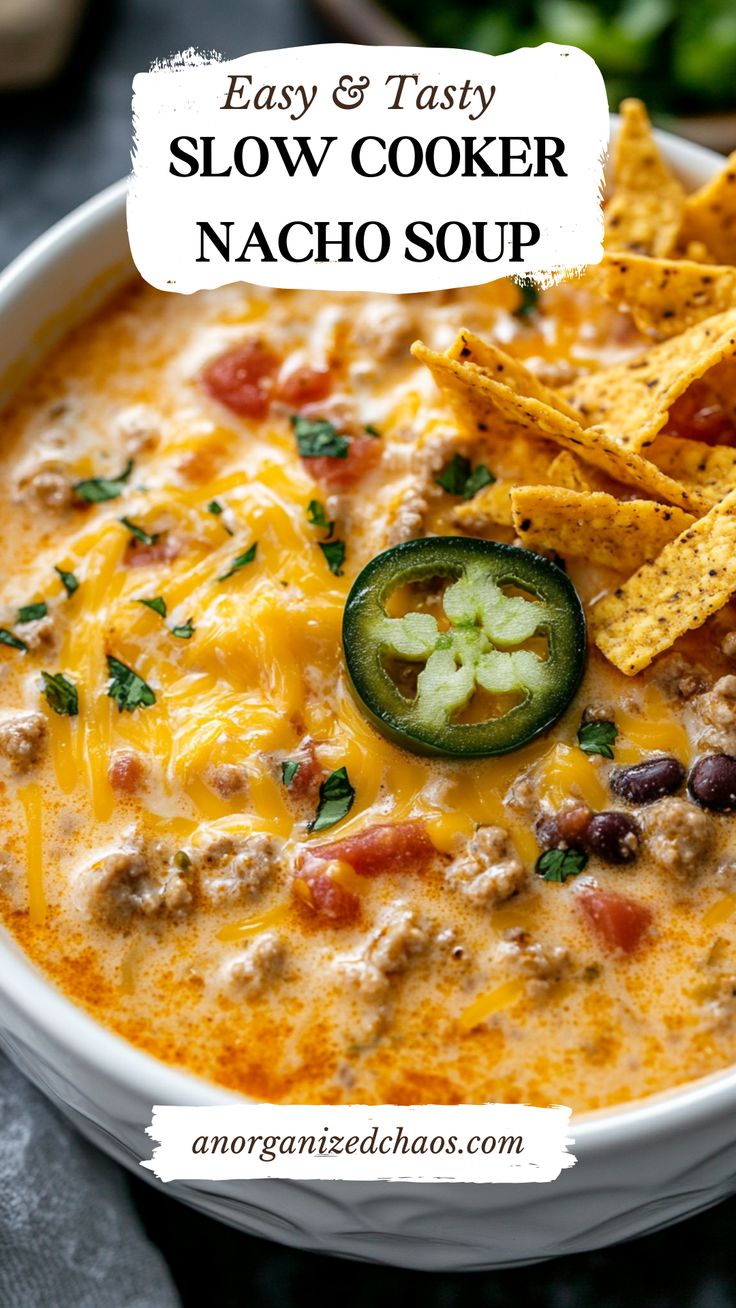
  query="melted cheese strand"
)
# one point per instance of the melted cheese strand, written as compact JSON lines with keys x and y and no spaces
{"x":31,"y":798}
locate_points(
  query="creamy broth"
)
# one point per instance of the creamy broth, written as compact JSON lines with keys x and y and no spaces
{"x":151,"y":858}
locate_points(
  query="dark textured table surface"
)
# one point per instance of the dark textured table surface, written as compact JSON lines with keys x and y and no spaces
{"x":57,"y":147}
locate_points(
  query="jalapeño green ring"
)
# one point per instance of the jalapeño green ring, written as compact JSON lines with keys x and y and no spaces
{"x":479,"y":650}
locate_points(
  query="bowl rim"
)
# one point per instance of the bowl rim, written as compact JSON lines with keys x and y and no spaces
{"x":40,"y":1003}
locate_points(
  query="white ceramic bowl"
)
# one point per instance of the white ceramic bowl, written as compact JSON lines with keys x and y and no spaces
{"x":639,"y":1167}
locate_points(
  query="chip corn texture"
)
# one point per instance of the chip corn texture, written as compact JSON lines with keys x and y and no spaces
{"x":618,"y":534}
{"x":644,"y":214}
{"x":693,"y":577}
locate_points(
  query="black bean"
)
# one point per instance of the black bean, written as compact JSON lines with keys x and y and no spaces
{"x":566,"y":829}
{"x":650,"y":780}
{"x":614,"y":837}
{"x":712,"y":782}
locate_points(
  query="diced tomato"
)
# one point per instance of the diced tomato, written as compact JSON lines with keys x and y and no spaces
{"x":242,"y":379}
{"x":363,"y":454}
{"x":310,"y":771}
{"x":126,"y":772}
{"x":618,"y":921}
{"x":699,"y":415}
{"x":145,"y":556}
{"x":203,"y":463}
{"x":327,"y":898}
{"x":305,"y":386}
{"x":388,"y":847}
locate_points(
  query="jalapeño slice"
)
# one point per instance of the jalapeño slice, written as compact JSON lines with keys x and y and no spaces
{"x":417,"y":678}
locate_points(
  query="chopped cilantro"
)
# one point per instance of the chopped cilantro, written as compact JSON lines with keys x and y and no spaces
{"x":559,"y":864}
{"x":61,"y":694}
{"x":319,"y":440}
{"x":158,"y":604}
{"x":598,"y":738}
{"x":289,"y":769}
{"x":480,"y":476}
{"x":336,"y":797}
{"x":334,"y":552}
{"x":370,"y":430}
{"x":32,"y":612}
{"x":128,"y":689}
{"x":318,"y":518}
{"x":454,"y":476}
{"x":68,"y":581}
{"x":185,"y":630}
{"x":97,"y":489}
{"x":7,"y":638}
{"x":458,"y":477}
{"x":529,"y":300}
{"x":144,"y":537}
{"x":241,"y":561}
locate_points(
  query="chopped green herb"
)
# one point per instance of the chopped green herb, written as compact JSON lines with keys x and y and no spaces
{"x":61,"y":694}
{"x":32,"y":612}
{"x":289,"y":769}
{"x":144,"y":537}
{"x":319,"y":440}
{"x":68,"y":581}
{"x":334,"y":552}
{"x":185,"y":630}
{"x":370,"y":430}
{"x":454,"y":476}
{"x":216,"y":508}
{"x":241,"y":561}
{"x":128,"y":689}
{"x":458,"y":477}
{"x":97,"y":489}
{"x":529,"y":299}
{"x":480,"y":476}
{"x":559,"y":864}
{"x":7,"y":638}
{"x":318,"y":518}
{"x":598,"y":738}
{"x":158,"y":604}
{"x":336,"y":798}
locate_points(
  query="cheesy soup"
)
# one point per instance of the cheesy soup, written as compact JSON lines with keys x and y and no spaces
{"x":369,"y":675}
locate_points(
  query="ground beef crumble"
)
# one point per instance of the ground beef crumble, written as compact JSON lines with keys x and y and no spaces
{"x":679,"y":836}
{"x":400,"y":937}
{"x":234,"y":869}
{"x":23,"y":739}
{"x":487,"y":870}
{"x":715,"y":713}
{"x":544,"y":966}
{"x":139,"y":880}
{"x":260,"y":964}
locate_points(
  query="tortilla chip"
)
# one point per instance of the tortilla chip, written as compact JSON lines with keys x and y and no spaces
{"x":709,"y":214}
{"x":491,"y":507}
{"x":645,"y":213}
{"x":632,"y":400}
{"x":595,"y":526}
{"x":566,"y":470}
{"x":666,"y":296}
{"x":469,"y":348}
{"x":693,"y":577}
{"x":696,"y":252}
{"x":711,"y":468}
{"x":490,"y":408}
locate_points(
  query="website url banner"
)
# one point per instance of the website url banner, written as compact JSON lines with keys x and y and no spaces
{"x":479,"y":1143}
